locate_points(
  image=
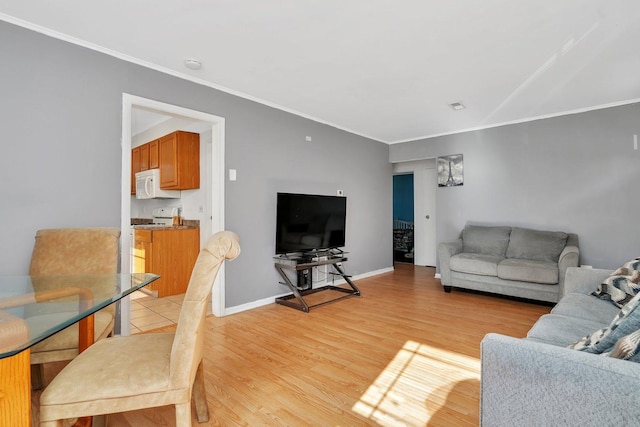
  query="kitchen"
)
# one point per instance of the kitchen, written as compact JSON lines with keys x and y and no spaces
{"x":170,"y":200}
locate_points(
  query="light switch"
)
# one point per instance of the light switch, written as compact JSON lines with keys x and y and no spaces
{"x":232,"y":174}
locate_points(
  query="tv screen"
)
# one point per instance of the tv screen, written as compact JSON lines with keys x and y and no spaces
{"x":308,"y":222}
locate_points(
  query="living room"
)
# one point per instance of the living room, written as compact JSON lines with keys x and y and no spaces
{"x":62,"y":116}
{"x":572,"y":172}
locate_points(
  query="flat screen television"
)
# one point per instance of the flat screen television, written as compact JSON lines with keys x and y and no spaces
{"x":309,"y":222}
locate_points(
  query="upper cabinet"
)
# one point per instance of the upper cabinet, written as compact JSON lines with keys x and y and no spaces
{"x":180,"y":161}
{"x":154,"y":154}
{"x":144,"y":157}
{"x":135,"y":167}
{"x":177,"y":155}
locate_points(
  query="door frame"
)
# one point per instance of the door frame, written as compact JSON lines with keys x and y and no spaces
{"x":217,"y":124}
{"x":418,"y":167}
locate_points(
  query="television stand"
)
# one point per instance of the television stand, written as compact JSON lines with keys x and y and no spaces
{"x":298,"y":294}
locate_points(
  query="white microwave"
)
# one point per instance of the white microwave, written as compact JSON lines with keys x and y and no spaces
{"x":148,"y":186}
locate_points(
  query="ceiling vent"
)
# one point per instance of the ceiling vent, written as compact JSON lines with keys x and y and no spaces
{"x":457,"y":106}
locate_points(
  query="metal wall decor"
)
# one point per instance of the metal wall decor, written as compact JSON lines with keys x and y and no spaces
{"x":450,"y":171}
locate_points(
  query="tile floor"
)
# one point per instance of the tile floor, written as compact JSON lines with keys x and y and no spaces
{"x":149,"y":312}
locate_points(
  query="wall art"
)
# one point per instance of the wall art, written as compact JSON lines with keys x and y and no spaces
{"x":450,"y":171}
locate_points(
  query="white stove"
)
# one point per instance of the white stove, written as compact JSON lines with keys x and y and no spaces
{"x":163,"y":217}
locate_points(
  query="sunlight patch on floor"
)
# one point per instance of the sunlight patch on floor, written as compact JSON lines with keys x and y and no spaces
{"x":419,"y":382}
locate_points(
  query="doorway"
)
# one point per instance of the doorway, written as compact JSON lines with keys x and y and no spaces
{"x":403,"y":215}
{"x":424,"y":174}
{"x":214,"y":177}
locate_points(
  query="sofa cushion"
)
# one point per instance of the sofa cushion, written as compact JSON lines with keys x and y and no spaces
{"x":485,"y":240}
{"x":622,"y":285}
{"x":587,"y":307}
{"x":483,"y":265}
{"x":528,"y":271}
{"x":536,"y":245}
{"x":604,"y":340}
{"x":561,"y":330}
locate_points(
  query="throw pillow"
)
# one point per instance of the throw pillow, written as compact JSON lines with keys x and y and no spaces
{"x":622,"y":285}
{"x":627,"y":348}
{"x":603,"y":340}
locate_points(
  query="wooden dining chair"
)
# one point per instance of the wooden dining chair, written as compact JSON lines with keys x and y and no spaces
{"x":127,"y":373}
{"x":69,"y":251}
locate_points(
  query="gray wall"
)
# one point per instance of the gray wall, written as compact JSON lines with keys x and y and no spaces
{"x":61,"y":108}
{"x":577,"y":173}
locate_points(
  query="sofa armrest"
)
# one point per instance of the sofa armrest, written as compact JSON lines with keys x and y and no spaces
{"x":534,"y":384}
{"x":445,"y":251}
{"x":568,"y":258}
{"x":583,"y":280}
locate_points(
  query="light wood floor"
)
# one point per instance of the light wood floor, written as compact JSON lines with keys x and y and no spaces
{"x":405,"y":353}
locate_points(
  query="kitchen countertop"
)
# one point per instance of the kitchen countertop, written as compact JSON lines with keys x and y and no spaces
{"x":162,"y":227}
{"x":147,"y":224}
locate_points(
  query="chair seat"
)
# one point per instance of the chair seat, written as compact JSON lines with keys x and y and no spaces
{"x":97,"y":381}
{"x":95,"y":377}
{"x":67,"y":340}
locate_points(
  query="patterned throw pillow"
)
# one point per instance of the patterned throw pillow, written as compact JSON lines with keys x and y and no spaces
{"x":622,"y":285}
{"x":627,"y":348}
{"x":603,"y":340}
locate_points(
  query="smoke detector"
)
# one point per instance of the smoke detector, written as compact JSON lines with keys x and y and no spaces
{"x":192,"y":64}
{"x":457,"y":106}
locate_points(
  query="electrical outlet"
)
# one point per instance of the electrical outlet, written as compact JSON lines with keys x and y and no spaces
{"x":340,"y":193}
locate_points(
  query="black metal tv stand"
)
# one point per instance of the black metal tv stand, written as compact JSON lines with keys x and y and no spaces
{"x":303,"y":263}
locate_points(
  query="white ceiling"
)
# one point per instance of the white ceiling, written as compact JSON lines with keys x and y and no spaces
{"x":143,"y":120}
{"x":379,"y":68}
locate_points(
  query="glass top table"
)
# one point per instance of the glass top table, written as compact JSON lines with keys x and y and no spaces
{"x":32,"y":308}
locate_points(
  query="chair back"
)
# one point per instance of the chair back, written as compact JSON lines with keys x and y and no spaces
{"x":186,"y":352}
{"x":74,"y":251}
{"x":65,"y":251}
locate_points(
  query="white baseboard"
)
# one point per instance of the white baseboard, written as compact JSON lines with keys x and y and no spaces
{"x":270,"y":300}
{"x":437,"y":276}
{"x":251,"y":305}
{"x":373,"y":273}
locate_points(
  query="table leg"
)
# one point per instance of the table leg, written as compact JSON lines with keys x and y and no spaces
{"x":85,"y":339}
{"x":15,"y":390}
{"x":86,"y":330}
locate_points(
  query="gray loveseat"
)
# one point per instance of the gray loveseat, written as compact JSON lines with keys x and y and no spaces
{"x":538,"y":381}
{"x":512,"y":261}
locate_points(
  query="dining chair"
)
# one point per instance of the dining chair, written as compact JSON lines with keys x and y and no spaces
{"x":69,"y":251}
{"x":126,"y":373}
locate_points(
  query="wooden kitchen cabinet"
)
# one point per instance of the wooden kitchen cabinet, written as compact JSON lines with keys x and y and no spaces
{"x":154,"y":154}
{"x":177,"y":155}
{"x":144,"y":157}
{"x":180,"y":161}
{"x":135,"y":167}
{"x":170,"y":253}
{"x":140,"y":161}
